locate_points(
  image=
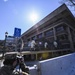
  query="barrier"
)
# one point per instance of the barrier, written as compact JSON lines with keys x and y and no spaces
{"x":63,"y":65}
{"x":33,"y":70}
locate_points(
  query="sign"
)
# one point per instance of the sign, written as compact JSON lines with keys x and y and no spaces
{"x":17,"y":32}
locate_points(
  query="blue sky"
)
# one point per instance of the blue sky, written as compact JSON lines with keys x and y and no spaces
{"x":16,"y":13}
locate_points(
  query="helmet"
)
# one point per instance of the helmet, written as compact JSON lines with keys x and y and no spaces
{"x":9,"y":58}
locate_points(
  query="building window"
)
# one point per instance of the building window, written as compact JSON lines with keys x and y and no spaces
{"x":49,"y":33}
{"x":39,"y":36}
{"x":28,"y":39}
{"x":59,"y":28}
{"x":33,"y":38}
{"x":62,"y":37}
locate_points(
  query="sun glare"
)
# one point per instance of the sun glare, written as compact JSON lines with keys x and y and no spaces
{"x":33,"y":17}
{"x":5,"y":0}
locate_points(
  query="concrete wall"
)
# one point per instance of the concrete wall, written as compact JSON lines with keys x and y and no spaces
{"x":33,"y":71}
{"x":63,"y":65}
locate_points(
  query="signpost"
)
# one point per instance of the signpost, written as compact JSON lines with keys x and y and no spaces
{"x":17,"y":34}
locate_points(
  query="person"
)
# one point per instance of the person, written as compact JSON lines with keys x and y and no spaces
{"x":46,"y":45}
{"x":10,"y":63}
{"x":55,"y":44}
{"x":33,"y":43}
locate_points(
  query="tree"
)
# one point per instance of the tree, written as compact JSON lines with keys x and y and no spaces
{"x":73,"y":2}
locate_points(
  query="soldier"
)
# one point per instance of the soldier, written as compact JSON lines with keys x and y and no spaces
{"x":10,"y":63}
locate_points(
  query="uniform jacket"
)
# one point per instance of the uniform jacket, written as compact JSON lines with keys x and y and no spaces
{"x":6,"y":70}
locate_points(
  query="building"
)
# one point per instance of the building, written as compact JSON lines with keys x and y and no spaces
{"x":1,"y":45}
{"x":58,"y":25}
{"x":10,"y":43}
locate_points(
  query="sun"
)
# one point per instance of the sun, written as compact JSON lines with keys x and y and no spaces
{"x":33,"y":17}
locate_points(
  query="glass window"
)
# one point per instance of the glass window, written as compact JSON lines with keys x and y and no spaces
{"x":28,"y":39}
{"x":39,"y":36}
{"x":62,"y":37}
{"x":49,"y":33}
{"x":59,"y":28}
{"x":33,"y":38}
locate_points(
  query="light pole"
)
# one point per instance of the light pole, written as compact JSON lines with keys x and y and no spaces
{"x":6,"y":34}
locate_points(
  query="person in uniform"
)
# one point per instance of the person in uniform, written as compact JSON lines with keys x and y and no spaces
{"x":10,"y":63}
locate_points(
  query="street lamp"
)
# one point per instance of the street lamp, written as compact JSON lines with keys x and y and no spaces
{"x":6,"y":34}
